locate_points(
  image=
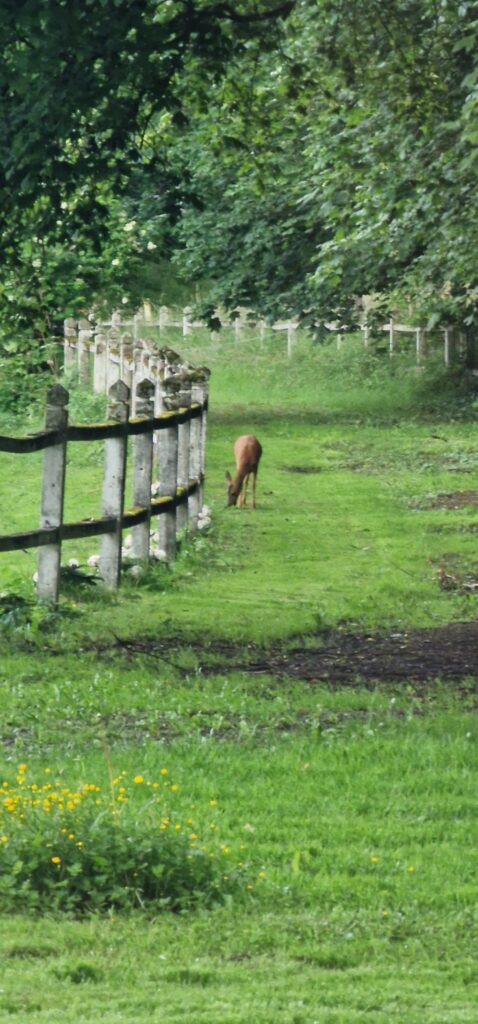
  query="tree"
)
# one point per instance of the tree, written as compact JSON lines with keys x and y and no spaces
{"x":81,"y":81}
{"x":359,"y":170}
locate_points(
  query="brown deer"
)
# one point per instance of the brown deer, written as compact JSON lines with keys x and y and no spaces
{"x":247,"y":452}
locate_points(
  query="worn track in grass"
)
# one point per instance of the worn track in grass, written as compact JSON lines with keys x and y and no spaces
{"x":338,"y":657}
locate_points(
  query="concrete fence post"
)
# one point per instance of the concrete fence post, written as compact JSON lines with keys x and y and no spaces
{"x":143,"y":469}
{"x":113,"y":486}
{"x":168,"y":469}
{"x":52,"y":496}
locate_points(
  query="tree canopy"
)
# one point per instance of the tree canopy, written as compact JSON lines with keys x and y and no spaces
{"x":287,"y":156}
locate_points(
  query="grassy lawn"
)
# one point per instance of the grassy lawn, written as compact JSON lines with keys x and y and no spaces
{"x":352,"y":808}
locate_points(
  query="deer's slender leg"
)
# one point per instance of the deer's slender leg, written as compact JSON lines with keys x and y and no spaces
{"x":253,"y":489}
{"x":244,"y":490}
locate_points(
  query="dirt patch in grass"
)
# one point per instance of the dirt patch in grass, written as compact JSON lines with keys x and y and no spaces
{"x":302,"y":469}
{"x":458,"y":499}
{"x":338,"y":657}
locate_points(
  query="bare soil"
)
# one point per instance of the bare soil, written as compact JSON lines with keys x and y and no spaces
{"x":339,"y":657}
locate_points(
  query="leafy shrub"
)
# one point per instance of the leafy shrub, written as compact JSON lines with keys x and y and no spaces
{"x":82,"y":850}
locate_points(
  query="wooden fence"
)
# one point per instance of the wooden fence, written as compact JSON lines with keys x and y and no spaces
{"x":170,"y":445}
{"x":453,"y":339}
{"x":120,"y":351}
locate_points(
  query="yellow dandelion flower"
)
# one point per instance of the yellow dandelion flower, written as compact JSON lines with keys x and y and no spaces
{"x":56,"y":860}
{"x":138,"y":779}
{"x":213,"y":803}
{"x":261,"y":874}
{"x":3,"y":839}
{"x":410,"y":869}
{"x":174,"y":789}
{"x":374,"y":860}
{"x":22,"y":768}
{"x":164,"y":771}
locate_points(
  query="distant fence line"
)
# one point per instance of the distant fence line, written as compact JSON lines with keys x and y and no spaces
{"x":118,"y":342}
{"x":120,"y":347}
{"x":452,"y":339}
{"x":178,"y":460}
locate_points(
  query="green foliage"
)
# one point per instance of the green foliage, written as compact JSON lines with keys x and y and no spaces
{"x":80,"y":87}
{"x":79,"y":850}
{"x":345,"y":166}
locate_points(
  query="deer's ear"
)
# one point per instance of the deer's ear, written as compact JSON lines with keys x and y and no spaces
{"x":228,"y":477}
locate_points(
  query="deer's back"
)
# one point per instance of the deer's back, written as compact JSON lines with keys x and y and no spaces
{"x":247,"y":452}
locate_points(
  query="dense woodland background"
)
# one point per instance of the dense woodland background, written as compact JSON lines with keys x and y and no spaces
{"x":282,"y":156}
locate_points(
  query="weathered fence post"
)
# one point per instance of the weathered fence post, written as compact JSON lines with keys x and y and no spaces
{"x":183,"y":451}
{"x":70,"y":343}
{"x":186,"y":321}
{"x":113,"y":358}
{"x":113,"y":486}
{"x":421,"y":343}
{"x":392,"y":342}
{"x":168,"y":469}
{"x":143,"y":469}
{"x":99,"y":361}
{"x":84,"y":342}
{"x":449,"y":346}
{"x":136,"y":325}
{"x":127,"y":364}
{"x":53,"y":490}
{"x":196,"y":460}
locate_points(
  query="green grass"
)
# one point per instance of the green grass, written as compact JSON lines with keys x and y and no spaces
{"x":353,"y":808}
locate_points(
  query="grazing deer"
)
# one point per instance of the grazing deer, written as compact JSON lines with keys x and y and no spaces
{"x":247,"y":452}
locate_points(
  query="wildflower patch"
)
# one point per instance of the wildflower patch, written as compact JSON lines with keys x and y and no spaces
{"x":88,"y":849}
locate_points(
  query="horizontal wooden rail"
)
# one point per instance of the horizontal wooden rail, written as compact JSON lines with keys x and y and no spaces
{"x":100,"y":431}
{"x":174,"y":440}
